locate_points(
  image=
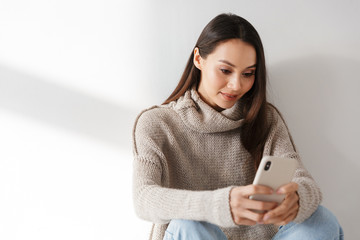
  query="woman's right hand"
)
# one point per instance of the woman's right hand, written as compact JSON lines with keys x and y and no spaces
{"x":242,"y":207}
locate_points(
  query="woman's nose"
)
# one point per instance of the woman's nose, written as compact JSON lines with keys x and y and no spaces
{"x":234,"y":83}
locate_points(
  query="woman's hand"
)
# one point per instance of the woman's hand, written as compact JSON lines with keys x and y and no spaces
{"x":242,"y":207}
{"x":288,"y":209}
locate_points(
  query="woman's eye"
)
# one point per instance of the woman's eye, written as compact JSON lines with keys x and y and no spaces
{"x":225,"y":71}
{"x":249,"y":74}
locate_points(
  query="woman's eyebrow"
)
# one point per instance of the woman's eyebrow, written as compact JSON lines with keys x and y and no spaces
{"x":227,"y":62}
{"x":252,"y":66}
{"x":233,"y":65}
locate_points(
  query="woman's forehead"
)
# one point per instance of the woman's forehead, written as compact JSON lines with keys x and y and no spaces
{"x":234,"y":52}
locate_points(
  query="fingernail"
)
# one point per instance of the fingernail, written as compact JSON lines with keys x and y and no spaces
{"x":280,"y":191}
{"x":261,"y":222}
{"x":266,"y":217}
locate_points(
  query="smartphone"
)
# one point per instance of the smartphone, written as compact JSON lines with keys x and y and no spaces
{"x":274,"y":172}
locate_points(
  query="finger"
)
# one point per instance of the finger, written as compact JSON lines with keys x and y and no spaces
{"x":253,"y":216}
{"x":279,"y":220}
{"x":274,"y":219}
{"x":258,"y":205}
{"x":287,"y":220}
{"x":244,"y":221}
{"x":278,"y":213}
{"x":255,"y":189}
{"x":291,"y":215}
{"x":288,"y":188}
{"x":291,"y":202}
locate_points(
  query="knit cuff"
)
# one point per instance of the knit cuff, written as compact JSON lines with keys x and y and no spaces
{"x":221,"y":208}
{"x":305,"y":210}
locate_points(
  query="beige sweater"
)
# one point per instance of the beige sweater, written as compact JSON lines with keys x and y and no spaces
{"x":187,"y":157}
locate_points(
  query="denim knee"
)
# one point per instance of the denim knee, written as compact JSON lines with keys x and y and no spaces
{"x":329,"y":222}
{"x":322,"y":224}
{"x":179,"y":229}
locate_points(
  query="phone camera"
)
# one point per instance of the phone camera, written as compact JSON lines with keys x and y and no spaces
{"x":267,"y":165}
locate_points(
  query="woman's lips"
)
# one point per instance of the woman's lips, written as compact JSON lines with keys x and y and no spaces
{"x":228,"y":96}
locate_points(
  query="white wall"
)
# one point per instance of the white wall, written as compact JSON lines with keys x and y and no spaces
{"x":74,"y":74}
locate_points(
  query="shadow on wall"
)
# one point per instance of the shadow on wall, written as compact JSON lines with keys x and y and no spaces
{"x":319,"y":97}
{"x":65,"y":108}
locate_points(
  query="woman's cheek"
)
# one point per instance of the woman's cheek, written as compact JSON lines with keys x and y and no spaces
{"x":250,"y":84}
{"x":219,"y":79}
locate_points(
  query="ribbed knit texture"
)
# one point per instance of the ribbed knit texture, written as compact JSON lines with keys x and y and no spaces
{"x":187,"y":157}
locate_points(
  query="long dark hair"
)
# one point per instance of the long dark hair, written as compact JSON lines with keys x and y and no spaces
{"x":224,"y":27}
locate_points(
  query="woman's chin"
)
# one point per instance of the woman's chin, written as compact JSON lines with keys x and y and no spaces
{"x":224,"y":106}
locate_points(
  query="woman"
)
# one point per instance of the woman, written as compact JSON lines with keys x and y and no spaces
{"x":196,"y":155}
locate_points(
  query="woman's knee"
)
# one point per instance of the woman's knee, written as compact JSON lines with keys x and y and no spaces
{"x":323,"y":216}
{"x":322,"y":224}
{"x":179,"y":227}
{"x":328,"y":221}
{"x":187,"y":229}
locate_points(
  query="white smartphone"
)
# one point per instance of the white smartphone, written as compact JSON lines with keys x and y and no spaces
{"x":274,"y":172}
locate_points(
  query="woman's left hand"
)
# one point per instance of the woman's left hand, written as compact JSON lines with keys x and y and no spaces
{"x":288,"y":209}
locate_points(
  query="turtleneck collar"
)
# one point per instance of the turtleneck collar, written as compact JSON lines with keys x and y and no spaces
{"x":201,"y":117}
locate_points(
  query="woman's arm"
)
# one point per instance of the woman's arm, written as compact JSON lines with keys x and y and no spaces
{"x":159,"y":204}
{"x":153,"y":199}
{"x":279,"y":143}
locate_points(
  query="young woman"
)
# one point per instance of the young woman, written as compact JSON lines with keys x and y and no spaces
{"x":196,"y":155}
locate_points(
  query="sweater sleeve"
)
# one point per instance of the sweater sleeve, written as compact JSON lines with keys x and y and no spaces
{"x":279,"y":143}
{"x":153,"y":199}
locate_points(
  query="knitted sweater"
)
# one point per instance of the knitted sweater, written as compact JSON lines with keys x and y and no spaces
{"x":188,"y":156}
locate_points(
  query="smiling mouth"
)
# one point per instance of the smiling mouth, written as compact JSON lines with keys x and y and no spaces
{"x":229,"y":96}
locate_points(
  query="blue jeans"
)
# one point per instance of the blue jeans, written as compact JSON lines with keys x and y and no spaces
{"x":322,"y":224}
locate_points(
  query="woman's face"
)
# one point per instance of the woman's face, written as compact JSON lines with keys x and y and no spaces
{"x":227,"y":73}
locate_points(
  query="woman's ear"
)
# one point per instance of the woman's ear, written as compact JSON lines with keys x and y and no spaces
{"x":197,"y":59}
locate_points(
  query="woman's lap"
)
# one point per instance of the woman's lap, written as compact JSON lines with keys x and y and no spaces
{"x":192,"y":230}
{"x":321,"y":225}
